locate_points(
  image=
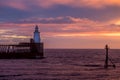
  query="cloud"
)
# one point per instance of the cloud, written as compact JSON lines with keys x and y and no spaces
{"x":50,"y":20}
{"x":54,"y":28}
{"x":99,"y":3}
{"x":79,"y":3}
{"x":61,"y":21}
{"x":60,"y":26}
{"x":28,"y":4}
{"x":18,"y":4}
{"x":53,"y":20}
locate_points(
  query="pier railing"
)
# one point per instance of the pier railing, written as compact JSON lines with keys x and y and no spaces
{"x":14,"y":48}
{"x":21,"y":50}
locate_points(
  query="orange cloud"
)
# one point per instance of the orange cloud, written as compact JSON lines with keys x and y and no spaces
{"x":27,"y":4}
{"x":62,"y":25}
{"x":80,"y":27}
{"x":80,"y":3}
{"x":80,"y":31}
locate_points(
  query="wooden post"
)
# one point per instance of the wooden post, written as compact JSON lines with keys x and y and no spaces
{"x":106,"y":57}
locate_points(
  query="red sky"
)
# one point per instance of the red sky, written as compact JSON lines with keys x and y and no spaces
{"x":63,"y":24}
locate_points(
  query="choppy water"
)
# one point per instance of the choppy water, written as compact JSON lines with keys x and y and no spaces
{"x":61,"y":64}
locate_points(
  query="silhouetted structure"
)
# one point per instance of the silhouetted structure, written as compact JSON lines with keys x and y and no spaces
{"x":30,"y":50}
{"x":107,"y":58}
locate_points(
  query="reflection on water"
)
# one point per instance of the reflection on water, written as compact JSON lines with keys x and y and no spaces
{"x":62,"y":65}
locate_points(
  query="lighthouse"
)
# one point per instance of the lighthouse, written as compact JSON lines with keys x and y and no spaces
{"x":37,"y":45}
{"x":37,"y":35}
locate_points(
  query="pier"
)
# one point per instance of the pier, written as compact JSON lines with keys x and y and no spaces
{"x":24,"y":50}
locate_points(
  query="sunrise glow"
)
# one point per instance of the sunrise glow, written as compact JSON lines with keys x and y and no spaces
{"x":117,"y":23}
{"x":62,"y":23}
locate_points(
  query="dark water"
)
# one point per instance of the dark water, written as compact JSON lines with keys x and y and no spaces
{"x":61,"y":64}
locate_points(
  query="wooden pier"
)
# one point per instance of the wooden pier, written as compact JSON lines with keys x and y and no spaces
{"x":22,"y":51}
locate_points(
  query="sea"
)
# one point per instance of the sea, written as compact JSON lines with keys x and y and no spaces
{"x":63,"y":64}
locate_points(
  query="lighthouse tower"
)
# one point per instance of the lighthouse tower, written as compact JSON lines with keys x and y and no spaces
{"x":37,"y":35}
{"x":37,"y":46}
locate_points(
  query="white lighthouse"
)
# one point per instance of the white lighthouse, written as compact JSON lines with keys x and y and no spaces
{"x":37,"y":35}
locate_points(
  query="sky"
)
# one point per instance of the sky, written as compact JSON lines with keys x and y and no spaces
{"x":75,"y":24}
